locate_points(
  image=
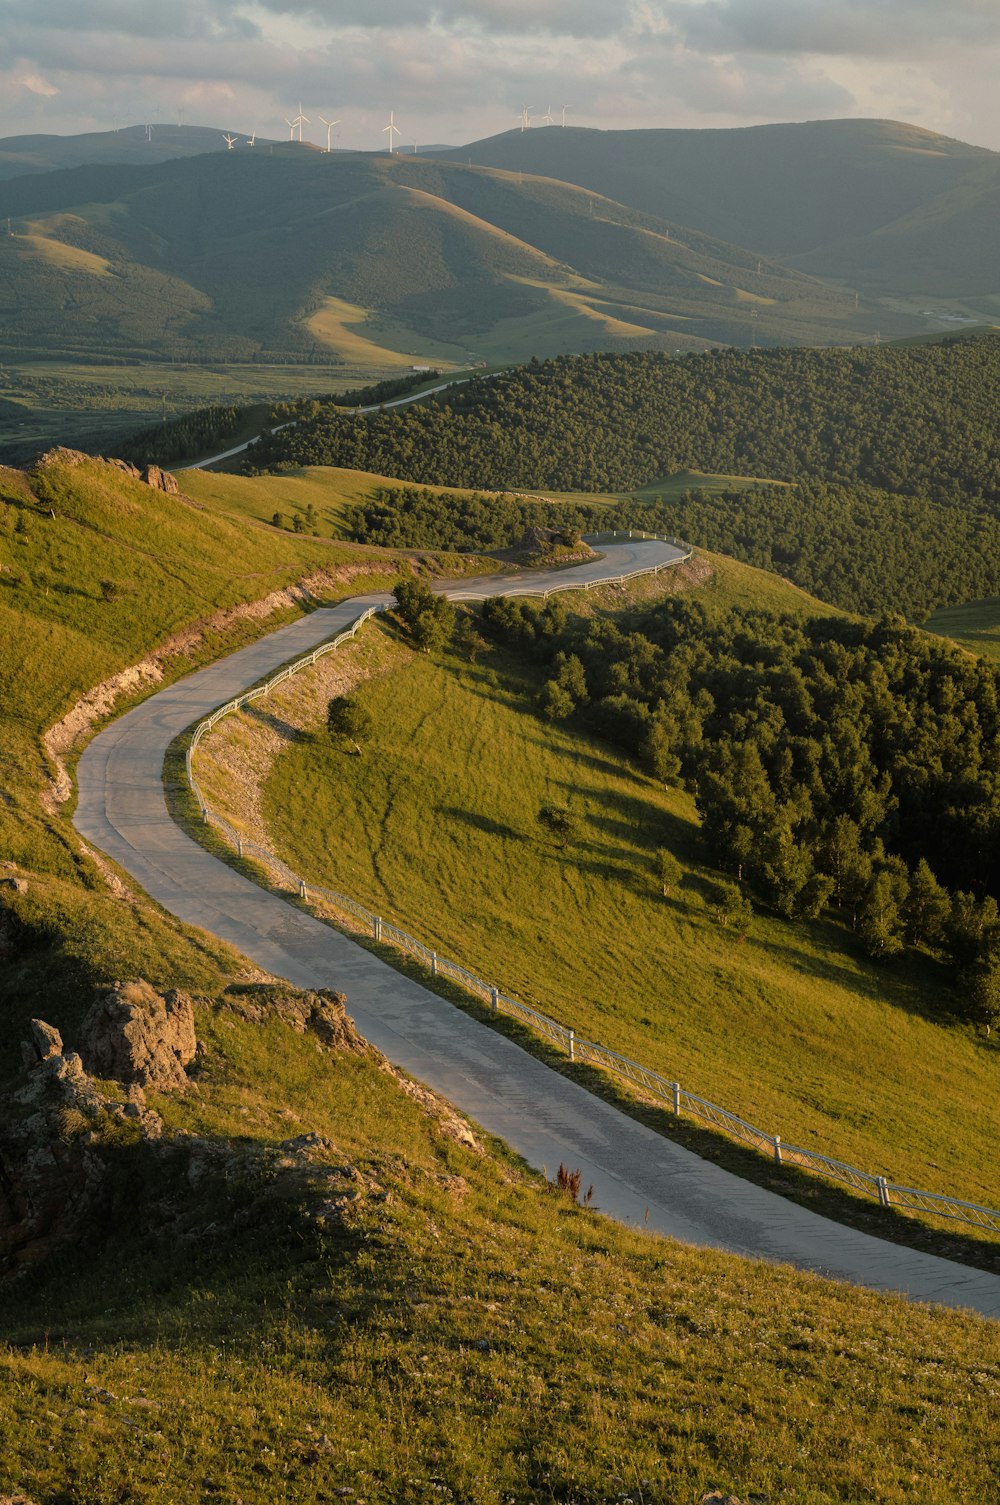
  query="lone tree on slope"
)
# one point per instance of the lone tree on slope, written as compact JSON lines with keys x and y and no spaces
{"x":347,"y":720}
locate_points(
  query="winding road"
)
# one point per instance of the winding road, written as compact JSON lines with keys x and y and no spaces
{"x":638,"y":1176}
{"x":395,"y":402}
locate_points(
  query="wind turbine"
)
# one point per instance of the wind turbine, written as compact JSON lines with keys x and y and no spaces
{"x":547,"y":117}
{"x":526,"y":117}
{"x":251,"y":139}
{"x":230,"y":141}
{"x":563,"y":120}
{"x":392,"y":127}
{"x":291,"y":128}
{"x":301,"y":120}
{"x":329,"y":127}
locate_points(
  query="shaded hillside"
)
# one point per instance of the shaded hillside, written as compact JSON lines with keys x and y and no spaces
{"x":821,"y":191}
{"x":260,"y":254}
{"x":780,"y":188}
{"x":20,"y":155}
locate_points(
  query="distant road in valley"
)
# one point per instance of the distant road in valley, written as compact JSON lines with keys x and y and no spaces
{"x":396,"y":402}
{"x":638,"y":1176}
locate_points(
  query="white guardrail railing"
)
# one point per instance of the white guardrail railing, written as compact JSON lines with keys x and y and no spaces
{"x":651,"y":1084}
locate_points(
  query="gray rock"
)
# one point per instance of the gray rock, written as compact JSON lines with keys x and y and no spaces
{"x":136,"y":1036}
{"x":46,"y":1040}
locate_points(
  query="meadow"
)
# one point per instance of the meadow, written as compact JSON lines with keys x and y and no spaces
{"x":409,"y":1317}
{"x":779,"y":1028}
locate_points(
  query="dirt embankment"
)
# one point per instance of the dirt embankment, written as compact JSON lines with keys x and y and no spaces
{"x":71,"y":731}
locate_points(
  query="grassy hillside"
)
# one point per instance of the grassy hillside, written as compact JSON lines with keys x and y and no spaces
{"x":397,"y":1318}
{"x":97,"y":571}
{"x":392,"y":1313}
{"x":262,"y":254}
{"x":779,"y":1029}
{"x":875,"y":204}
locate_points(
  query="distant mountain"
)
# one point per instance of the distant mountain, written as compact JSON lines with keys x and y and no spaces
{"x":21,"y":155}
{"x":290,"y":251}
{"x":875,"y":203}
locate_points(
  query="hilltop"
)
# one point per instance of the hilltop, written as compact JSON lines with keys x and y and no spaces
{"x":22,"y":155}
{"x":267,"y":254}
{"x":880,"y":205}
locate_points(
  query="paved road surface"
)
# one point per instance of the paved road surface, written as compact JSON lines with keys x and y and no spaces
{"x":397,"y":402}
{"x":636,"y":1174}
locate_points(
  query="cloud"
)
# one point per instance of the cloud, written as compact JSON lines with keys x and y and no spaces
{"x":33,"y":82}
{"x":845,"y":28}
{"x":457,"y":70}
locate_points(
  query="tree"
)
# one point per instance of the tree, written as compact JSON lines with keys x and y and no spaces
{"x":555,"y":701}
{"x":880,"y":923}
{"x":429,"y":618}
{"x":278,"y":519}
{"x":469,"y":639}
{"x":668,"y":870}
{"x":980,"y":988}
{"x":561,"y":822}
{"x":347,"y":720}
{"x":733,"y":909}
{"x":927,"y":907}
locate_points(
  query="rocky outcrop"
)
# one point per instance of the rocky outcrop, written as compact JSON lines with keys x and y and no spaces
{"x":322,"y":1012}
{"x":52,"y":1128}
{"x":161,"y":480}
{"x":135,"y":1035}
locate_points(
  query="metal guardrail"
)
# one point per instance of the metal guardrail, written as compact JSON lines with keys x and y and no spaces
{"x":649,"y":1083}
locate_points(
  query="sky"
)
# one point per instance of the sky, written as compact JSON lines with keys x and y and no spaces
{"x":455,"y":72}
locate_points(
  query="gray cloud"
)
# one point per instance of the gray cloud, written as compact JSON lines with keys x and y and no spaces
{"x":458,"y":70}
{"x":853,"y":28}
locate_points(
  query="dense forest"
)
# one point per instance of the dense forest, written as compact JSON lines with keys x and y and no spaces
{"x":836,"y":764}
{"x":916,"y":420}
{"x":859,"y":548}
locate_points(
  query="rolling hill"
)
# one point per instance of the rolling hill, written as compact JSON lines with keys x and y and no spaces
{"x":292,"y":253}
{"x":21,"y":155}
{"x":879,"y":204}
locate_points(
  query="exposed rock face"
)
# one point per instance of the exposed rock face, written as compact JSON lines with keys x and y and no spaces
{"x":322,"y":1011}
{"x":161,"y":480}
{"x":52,"y":1173}
{"x":134,"y":1035}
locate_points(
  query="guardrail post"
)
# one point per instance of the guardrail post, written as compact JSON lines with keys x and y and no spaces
{"x":675,"y":1088}
{"x":434,"y":964}
{"x":570,"y":1044}
{"x":883,"y":1192}
{"x":377,"y":927}
{"x":302,"y":888}
{"x":777,"y":1149}
{"x":239,"y":846}
{"x":494,"y":1000}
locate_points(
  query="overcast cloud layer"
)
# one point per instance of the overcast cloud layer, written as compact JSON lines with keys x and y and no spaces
{"x":454,"y":72}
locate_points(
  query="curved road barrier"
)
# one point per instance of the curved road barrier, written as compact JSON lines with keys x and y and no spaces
{"x":638,"y":1175}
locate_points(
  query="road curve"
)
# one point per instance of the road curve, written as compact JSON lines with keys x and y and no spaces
{"x":637,"y":1176}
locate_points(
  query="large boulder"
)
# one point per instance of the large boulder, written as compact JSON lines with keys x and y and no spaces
{"x":133,"y":1034}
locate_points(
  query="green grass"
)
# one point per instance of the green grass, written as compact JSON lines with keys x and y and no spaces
{"x":975,"y":625}
{"x":782,"y":1030}
{"x":461,"y":1332}
{"x":328,"y":488}
{"x":671,"y":487}
{"x":97,"y":570}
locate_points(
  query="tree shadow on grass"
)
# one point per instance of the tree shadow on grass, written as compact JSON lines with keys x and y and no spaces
{"x":479,"y":822}
{"x":284,"y":729}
